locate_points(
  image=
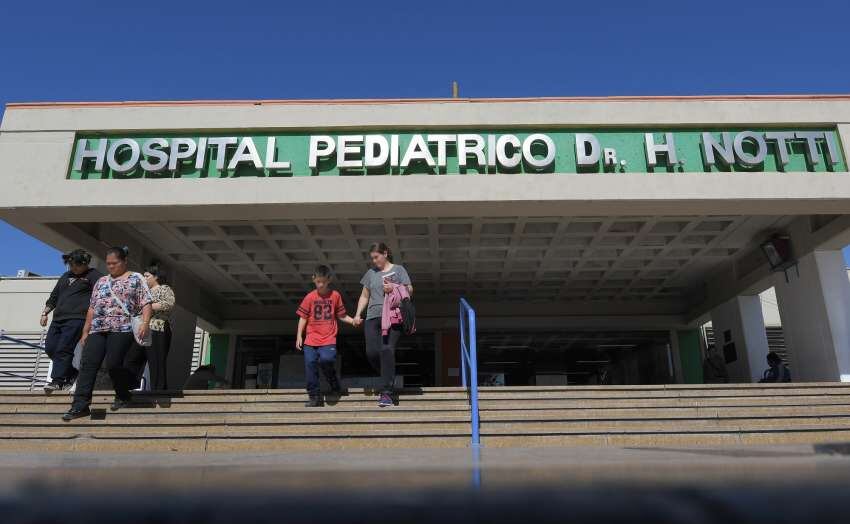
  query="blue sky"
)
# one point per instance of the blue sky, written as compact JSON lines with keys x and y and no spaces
{"x":55,"y":50}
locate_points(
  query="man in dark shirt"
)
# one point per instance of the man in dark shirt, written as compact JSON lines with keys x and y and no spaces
{"x":69,"y":302}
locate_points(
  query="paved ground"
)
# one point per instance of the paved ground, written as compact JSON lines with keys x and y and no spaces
{"x":764,"y":484}
{"x":402,"y":468}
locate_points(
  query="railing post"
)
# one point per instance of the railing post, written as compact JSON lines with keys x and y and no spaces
{"x":473,"y":377}
{"x":37,"y":364}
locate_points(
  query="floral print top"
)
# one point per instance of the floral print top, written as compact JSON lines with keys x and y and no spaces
{"x":108,"y":315}
{"x":164,"y":295}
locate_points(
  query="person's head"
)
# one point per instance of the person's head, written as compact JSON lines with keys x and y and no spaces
{"x":322,"y":279}
{"x":116,"y":260}
{"x":380,"y":255}
{"x":155,"y":276}
{"x":77,"y":261}
{"x":773,"y":359}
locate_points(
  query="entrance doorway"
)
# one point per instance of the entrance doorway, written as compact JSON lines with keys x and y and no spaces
{"x":273,"y":362}
{"x":550,"y":358}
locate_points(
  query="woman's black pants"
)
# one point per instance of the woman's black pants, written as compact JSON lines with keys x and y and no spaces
{"x":156,"y":357}
{"x":380,"y":350}
{"x":110,"y":348}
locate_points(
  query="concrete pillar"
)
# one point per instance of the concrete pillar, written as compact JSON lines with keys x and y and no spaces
{"x":814,"y":304}
{"x":740,"y":336}
{"x":183,"y":324}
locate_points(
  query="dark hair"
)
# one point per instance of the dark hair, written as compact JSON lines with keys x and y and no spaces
{"x":322,"y":271}
{"x":773,"y":358}
{"x":120,"y":252}
{"x":78,"y":257}
{"x":380,"y":247}
{"x":158,"y":273}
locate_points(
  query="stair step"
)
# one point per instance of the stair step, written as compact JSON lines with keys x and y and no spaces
{"x":236,"y":409}
{"x":549,"y":403}
{"x":227,"y":399}
{"x":533,"y":400}
{"x":71,"y":430}
{"x":207,"y":419}
{"x":583,"y":395}
{"x":228,"y":445}
{"x":650,"y":440}
{"x":665,"y":426}
{"x":344,"y":415}
{"x":665,"y":412}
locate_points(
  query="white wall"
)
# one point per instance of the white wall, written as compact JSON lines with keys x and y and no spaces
{"x":21,"y":302}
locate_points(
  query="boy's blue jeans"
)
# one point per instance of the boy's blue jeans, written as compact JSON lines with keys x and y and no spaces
{"x":323,"y":357}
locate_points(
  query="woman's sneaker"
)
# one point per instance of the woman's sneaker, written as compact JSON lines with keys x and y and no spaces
{"x":385,"y":401}
{"x":119,"y":403}
{"x":73,"y":413}
{"x":52,"y":386}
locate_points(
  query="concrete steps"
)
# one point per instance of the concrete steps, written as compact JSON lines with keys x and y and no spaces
{"x":276,"y":420}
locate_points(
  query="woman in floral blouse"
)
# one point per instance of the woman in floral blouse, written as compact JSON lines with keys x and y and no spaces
{"x":156,"y":355}
{"x":108,"y":331}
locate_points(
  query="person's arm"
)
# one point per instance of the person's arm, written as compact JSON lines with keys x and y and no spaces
{"x":166,"y":300}
{"x":87,"y":326}
{"x":147,"y":312}
{"x":407,"y":283}
{"x":362,"y":302}
{"x":50,"y":304}
{"x":299,"y":337}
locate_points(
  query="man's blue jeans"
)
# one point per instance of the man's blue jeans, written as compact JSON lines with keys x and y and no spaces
{"x":323,"y":357}
{"x":62,"y":338}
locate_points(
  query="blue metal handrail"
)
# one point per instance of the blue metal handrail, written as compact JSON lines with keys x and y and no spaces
{"x":469,"y":364}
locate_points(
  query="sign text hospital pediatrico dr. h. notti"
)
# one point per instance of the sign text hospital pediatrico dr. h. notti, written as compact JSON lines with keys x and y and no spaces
{"x":557,"y":151}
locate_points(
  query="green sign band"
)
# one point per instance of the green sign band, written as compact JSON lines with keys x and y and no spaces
{"x":225,"y":155}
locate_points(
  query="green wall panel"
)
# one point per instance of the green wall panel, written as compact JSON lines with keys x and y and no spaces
{"x":690,"y":356}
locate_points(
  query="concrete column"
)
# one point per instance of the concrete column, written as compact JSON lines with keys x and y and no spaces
{"x":814,"y":304}
{"x":183,"y":324}
{"x":739,"y":332}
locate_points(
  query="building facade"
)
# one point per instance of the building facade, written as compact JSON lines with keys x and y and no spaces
{"x":593,"y":236}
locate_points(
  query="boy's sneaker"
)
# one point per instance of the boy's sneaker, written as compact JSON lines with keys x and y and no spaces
{"x":314,"y":402}
{"x":52,"y":386}
{"x":385,"y":401}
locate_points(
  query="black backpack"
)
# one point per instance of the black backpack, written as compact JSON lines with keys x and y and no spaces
{"x":408,"y":316}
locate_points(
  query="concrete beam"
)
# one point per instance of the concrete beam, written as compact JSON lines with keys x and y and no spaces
{"x":485,"y":323}
{"x":411,"y":114}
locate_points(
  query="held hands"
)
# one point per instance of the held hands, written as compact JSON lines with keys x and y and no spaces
{"x":356,"y":321}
